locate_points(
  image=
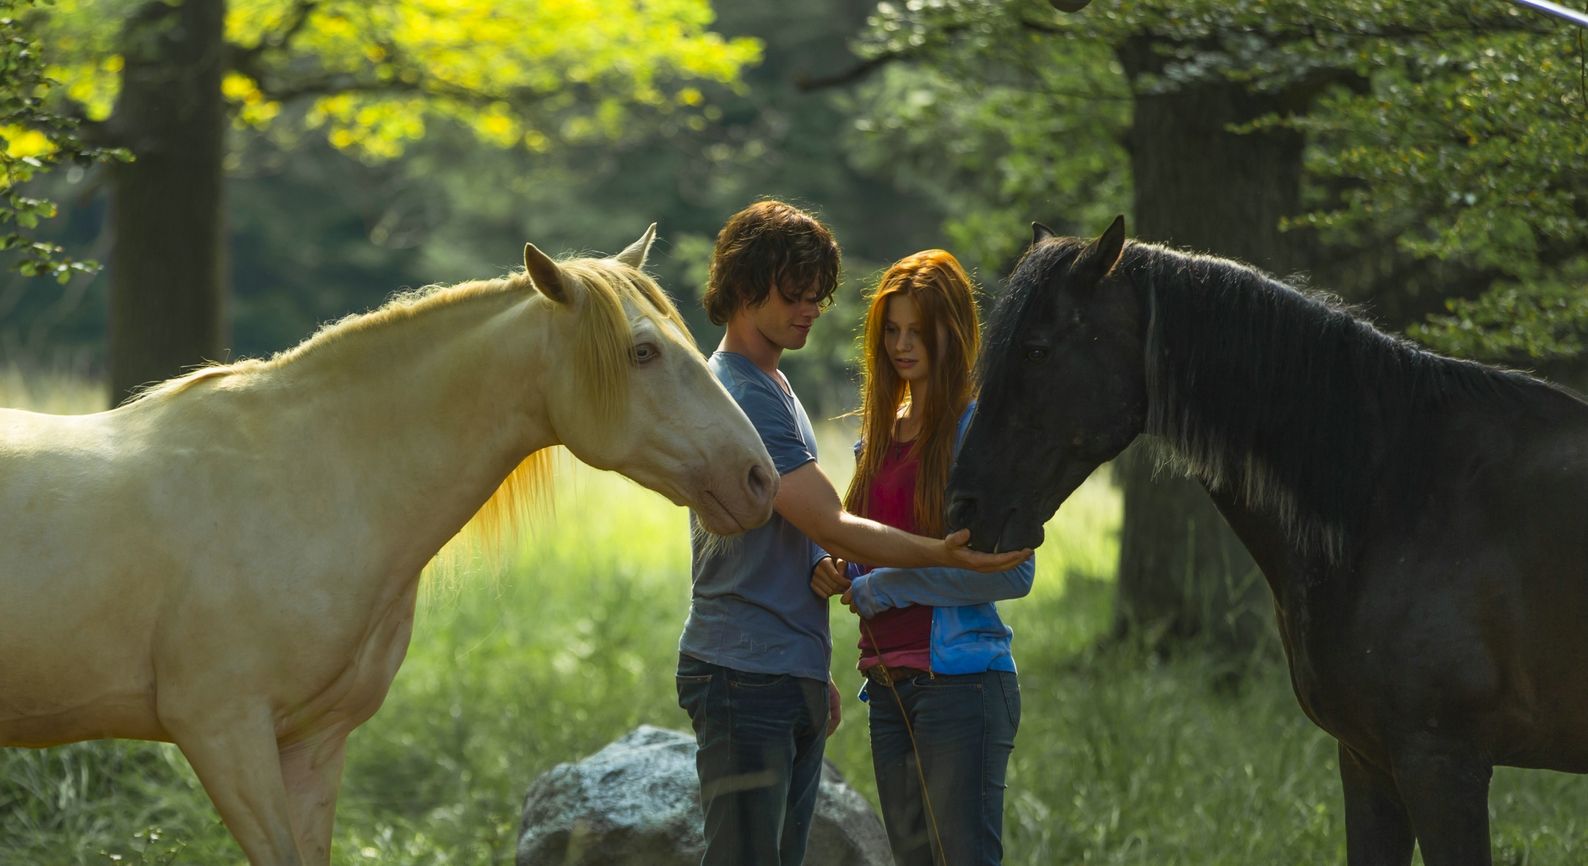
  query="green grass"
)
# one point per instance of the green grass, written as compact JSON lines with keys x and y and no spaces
{"x":1121,"y":759}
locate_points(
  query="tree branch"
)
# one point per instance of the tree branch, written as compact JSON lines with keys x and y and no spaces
{"x":332,"y":84}
{"x":337,"y":83}
{"x":849,"y":76}
{"x":865,"y":67}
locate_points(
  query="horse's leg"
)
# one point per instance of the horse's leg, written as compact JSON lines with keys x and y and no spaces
{"x":313,"y":774}
{"x":1446,"y":790}
{"x":236,"y":759}
{"x":1377,"y":829}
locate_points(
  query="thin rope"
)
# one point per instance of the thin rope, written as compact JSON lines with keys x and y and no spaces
{"x":920,"y":769}
{"x":1582,"y":74}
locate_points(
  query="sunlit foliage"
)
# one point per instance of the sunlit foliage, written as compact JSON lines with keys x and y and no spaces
{"x":33,"y":138}
{"x":371,"y":75}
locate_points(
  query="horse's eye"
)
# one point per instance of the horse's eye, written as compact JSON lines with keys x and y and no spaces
{"x":645,"y":353}
{"x":1036,"y":353}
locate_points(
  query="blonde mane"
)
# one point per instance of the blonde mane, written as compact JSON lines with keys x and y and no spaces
{"x":601,"y":364}
{"x":401,"y":307}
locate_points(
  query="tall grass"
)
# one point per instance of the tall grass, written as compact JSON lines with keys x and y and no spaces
{"x":1120,"y":759}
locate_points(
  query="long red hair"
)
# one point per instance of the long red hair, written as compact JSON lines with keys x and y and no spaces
{"x":943,"y":293}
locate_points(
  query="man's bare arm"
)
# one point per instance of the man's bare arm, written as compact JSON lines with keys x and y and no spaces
{"x":807,"y":499}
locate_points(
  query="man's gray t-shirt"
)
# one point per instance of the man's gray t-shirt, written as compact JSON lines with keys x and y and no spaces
{"x":752,"y":608}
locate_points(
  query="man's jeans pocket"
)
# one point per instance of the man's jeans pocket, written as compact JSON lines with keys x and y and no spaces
{"x":749,"y":680}
{"x":694,"y":687}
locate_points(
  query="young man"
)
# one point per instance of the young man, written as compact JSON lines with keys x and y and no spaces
{"x":755,"y":652}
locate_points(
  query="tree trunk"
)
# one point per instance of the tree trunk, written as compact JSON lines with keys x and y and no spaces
{"x":167,"y":296}
{"x":1183,"y":575}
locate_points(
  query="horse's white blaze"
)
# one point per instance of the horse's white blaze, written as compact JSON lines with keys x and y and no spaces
{"x":231,"y":563}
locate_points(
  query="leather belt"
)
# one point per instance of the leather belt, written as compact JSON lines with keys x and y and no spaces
{"x":888,"y":676}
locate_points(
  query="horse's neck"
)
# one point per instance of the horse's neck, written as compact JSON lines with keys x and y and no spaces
{"x":425,"y":416}
{"x":1267,"y":539}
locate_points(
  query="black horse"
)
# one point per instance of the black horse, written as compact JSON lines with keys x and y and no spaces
{"x":1422,"y":521}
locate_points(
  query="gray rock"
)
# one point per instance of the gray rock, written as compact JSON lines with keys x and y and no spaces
{"x":637,"y":803}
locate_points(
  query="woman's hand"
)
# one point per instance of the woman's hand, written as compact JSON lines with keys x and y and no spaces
{"x":848,"y":598}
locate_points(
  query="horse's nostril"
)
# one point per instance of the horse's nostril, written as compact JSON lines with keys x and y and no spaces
{"x":759,"y":483}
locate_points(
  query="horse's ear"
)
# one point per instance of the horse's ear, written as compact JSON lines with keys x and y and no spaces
{"x":1112,"y":242}
{"x":634,"y":254}
{"x":1040,"y":233}
{"x":1102,"y":254}
{"x":545,"y":274}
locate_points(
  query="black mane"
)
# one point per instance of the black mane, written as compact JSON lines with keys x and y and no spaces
{"x":1285,"y":397}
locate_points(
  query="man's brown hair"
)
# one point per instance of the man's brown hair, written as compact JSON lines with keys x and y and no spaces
{"x":768,"y":244}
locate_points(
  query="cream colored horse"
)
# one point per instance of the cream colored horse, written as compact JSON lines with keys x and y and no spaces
{"x":230,"y":562}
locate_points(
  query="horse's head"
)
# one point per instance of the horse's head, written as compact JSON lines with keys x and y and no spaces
{"x":637,"y":397}
{"x":1062,"y":389}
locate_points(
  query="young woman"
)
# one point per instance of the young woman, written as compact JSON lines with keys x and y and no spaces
{"x":935,"y":654}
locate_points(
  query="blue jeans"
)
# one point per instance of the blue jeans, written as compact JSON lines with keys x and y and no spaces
{"x":965,"y":730}
{"x":759,"y":741}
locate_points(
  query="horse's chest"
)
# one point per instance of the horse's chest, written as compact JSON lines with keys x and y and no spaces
{"x":355,"y":672}
{"x":1329,"y":668}
{"x":1315,"y":680}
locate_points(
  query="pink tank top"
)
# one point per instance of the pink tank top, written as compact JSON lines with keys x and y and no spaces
{"x":903,"y":635}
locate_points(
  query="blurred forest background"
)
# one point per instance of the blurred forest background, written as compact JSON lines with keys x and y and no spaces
{"x":246,"y":170}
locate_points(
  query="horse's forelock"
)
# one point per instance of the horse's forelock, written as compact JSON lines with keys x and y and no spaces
{"x":1022,"y":290}
{"x":604,"y":332}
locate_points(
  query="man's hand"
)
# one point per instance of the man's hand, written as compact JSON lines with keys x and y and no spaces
{"x":835,"y":711}
{"x":828,"y":579}
{"x":959,"y":556}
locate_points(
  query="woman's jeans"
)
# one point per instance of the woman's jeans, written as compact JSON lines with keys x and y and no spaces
{"x":759,"y":744}
{"x":964,"y":731}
